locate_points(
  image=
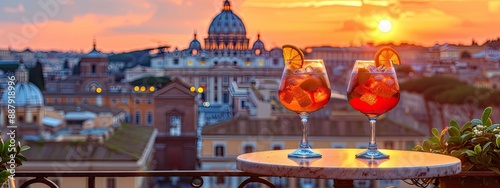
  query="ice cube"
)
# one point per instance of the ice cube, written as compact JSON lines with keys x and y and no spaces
{"x":310,"y":84}
{"x":286,"y":97}
{"x":369,"y":98}
{"x":359,"y":91}
{"x":309,"y":69}
{"x":379,"y":77}
{"x":302,"y":97}
{"x":321,"y":94}
{"x":382,"y":90}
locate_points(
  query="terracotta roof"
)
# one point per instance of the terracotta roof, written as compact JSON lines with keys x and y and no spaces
{"x":118,"y":147}
{"x":350,"y":125}
{"x":85,"y":107}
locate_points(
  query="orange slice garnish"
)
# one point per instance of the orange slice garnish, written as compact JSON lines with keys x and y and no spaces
{"x":386,"y":54}
{"x":293,"y":56}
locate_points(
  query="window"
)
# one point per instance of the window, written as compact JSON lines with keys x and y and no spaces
{"x":137,"y":117}
{"x":127,"y":118}
{"x":203,"y":79}
{"x":35,"y":119}
{"x":111,"y":183}
{"x":85,"y":101}
{"x":176,"y":61}
{"x":56,"y":101}
{"x":248,"y":149}
{"x":219,"y":150}
{"x":113,"y":101}
{"x":150,"y":118}
{"x":175,"y":126}
{"x":69,"y":101}
{"x":124,"y":101}
{"x":220,"y":180}
{"x":149,"y":101}
{"x":20,"y":119}
{"x":93,"y":69}
{"x":137,"y":101}
{"x":225,"y":79}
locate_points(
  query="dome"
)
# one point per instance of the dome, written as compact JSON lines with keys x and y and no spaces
{"x":95,"y":53}
{"x":227,"y":22}
{"x":26,"y":93}
{"x":195,"y":44}
{"x":258,"y":44}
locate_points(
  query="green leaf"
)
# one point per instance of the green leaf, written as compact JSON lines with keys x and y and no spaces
{"x":4,"y":175}
{"x":433,"y":140}
{"x":498,"y":142}
{"x":25,"y":148}
{"x":456,"y":153}
{"x":486,"y":114}
{"x":477,"y":149}
{"x":436,"y":146}
{"x":465,"y":127}
{"x":467,"y":136}
{"x":454,"y":131}
{"x":470,"y":153}
{"x":455,"y":140}
{"x":494,"y":126}
{"x":476,"y":122}
{"x":435,"y":132}
{"x":454,"y":123}
{"x":426,"y":146}
{"x":494,"y":169}
{"x":488,"y":122}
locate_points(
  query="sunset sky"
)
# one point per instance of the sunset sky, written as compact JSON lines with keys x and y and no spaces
{"x":126,"y":25}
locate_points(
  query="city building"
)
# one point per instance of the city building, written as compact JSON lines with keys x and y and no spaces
{"x":226,"y":55}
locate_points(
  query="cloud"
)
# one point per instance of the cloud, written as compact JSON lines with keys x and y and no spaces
{"x":18,"y":9}
{"x":298,"y":4}
{"x":353,"y":26}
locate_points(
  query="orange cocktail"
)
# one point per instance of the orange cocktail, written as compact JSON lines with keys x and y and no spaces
{"x":306,"y":89}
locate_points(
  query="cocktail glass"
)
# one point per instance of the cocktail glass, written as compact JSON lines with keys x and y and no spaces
{"x":373,"y":90}
{"x":303,"y":91}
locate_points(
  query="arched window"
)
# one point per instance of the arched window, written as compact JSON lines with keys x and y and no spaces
{"x":150,"y":118}
{"x":137,"y":117}
{"x":94,"y":68}
{"x":248,"y":148}
{"x":175,"y":125}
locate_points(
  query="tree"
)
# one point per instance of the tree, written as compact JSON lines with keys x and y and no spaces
{"x":36,"y":76}
{"x":465,"y":55}
{"x":158,"y":82}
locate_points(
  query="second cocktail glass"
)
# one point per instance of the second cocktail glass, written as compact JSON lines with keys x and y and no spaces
{"x":373,"y":90}
{"x":303,"y":91}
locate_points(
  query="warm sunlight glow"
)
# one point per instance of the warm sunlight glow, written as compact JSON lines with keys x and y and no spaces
{"x":385,"y":25}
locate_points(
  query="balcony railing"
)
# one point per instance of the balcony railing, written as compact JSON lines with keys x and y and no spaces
{"x":196,"y":177}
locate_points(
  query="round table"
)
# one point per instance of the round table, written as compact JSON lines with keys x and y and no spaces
{"x":341,"y":164}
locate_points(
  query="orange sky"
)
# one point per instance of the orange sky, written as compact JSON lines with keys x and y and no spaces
{"x":125,"y":25}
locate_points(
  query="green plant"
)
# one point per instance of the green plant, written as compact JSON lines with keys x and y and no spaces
{"x":11,"y":155}
{"x":476,"y":143}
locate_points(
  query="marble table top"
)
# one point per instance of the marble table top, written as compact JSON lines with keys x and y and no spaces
{"x":342,"y":164}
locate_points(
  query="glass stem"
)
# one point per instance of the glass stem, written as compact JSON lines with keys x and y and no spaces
{"x":304,"y":143}
{"x":372,"y":145}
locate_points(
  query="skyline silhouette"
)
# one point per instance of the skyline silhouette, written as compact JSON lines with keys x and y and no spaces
{"x":121,"y":26}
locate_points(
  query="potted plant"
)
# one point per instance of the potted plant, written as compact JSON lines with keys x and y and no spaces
{"x":476,"y":144}
{"x":11,"y":156}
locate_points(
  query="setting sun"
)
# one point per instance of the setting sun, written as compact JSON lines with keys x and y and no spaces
{"x":385,"y":25}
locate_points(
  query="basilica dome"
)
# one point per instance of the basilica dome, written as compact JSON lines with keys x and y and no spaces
{"x":25,"y":93}
{"x":227,"y":22}
{"x":227,"y":31}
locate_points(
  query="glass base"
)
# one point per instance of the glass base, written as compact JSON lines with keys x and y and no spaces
{"x":372,"y":154}
{"x":304,"y":153}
